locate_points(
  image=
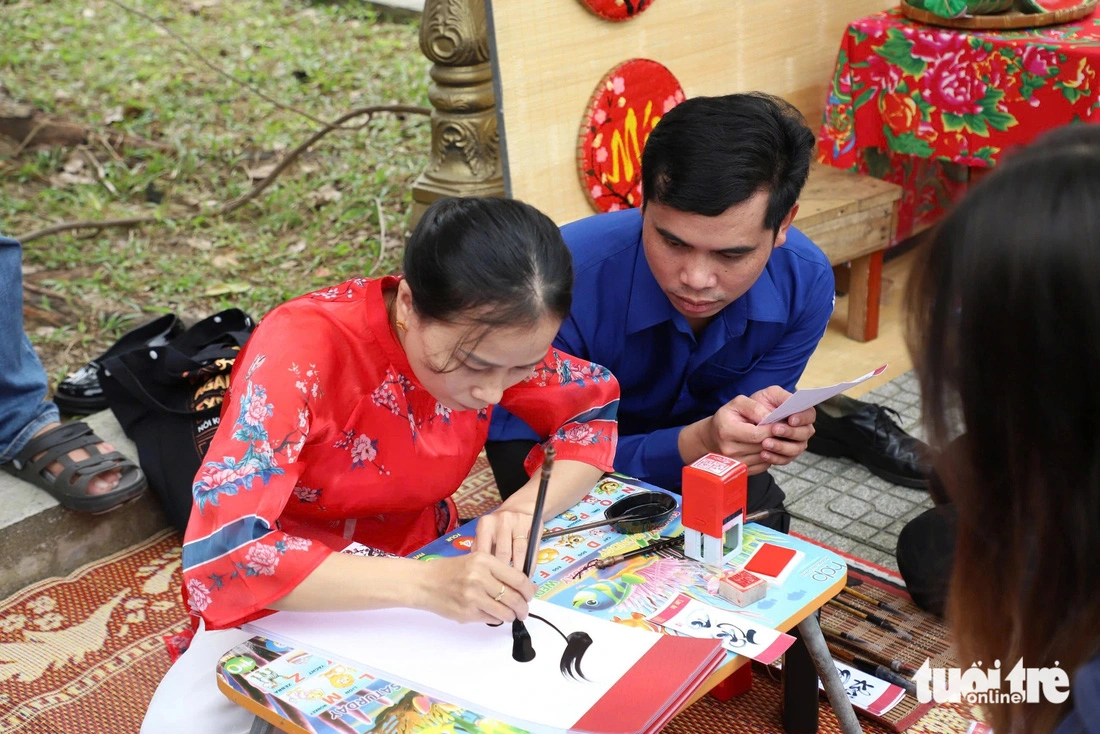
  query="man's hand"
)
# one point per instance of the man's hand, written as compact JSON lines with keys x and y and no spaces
{"x":733,"y":431}
{"x":789,"y":437}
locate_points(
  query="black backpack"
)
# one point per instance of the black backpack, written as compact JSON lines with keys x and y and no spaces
{"x":168,"y":400}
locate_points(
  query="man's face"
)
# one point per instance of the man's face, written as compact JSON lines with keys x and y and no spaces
{"x":705,"y":263}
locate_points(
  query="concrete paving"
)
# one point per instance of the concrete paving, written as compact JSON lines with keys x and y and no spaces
{"x":840,"y":503}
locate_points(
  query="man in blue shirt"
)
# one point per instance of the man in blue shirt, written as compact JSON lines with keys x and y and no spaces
{"x":705,"y":304}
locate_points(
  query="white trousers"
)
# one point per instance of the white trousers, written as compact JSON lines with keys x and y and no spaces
{"x":188,"y":701}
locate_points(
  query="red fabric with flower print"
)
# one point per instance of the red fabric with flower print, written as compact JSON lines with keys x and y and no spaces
{"x":919,"y":106}
{"x":625,"y":107}
{"x":326,"y":437}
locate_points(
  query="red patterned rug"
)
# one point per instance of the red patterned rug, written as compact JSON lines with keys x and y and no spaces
{"x":83,"y":654}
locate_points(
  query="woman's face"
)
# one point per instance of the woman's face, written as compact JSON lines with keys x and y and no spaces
{"x":464,"y":366}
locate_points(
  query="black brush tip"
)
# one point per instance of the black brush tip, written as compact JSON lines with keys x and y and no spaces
{"x":522,"y":649}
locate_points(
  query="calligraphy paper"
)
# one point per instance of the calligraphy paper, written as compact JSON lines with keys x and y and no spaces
{"x":808,"y":398}
{"x":472,"y":666}
{"x":873,"y":695}
{"x":736,"y":632}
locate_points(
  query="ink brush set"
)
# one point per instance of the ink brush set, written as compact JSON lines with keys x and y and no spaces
{"x":886,"y":637}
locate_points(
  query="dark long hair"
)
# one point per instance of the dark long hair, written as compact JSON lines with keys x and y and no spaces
{"x":1005,"y":334}
{"x":500,"y":259}
{"x":710,"y":153}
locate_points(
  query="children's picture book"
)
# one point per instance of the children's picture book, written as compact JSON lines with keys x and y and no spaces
{"x":302,"y":689}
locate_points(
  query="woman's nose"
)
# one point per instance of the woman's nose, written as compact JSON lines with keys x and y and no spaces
{"x":489,"y":391}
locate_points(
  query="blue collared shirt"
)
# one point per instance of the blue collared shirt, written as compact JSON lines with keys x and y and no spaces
{"x":621,"y":319}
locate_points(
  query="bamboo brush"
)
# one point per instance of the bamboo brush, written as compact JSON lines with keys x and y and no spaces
{"x":522,"y":650}
{"x":874,"y":619}
{"x":872,"y":668}
{"x":864,"y":648}
{"x":880,"y":604}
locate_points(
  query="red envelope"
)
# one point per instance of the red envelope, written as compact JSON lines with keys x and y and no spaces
{"x":770,"y":560}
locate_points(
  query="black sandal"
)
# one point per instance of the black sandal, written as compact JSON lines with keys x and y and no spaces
{"x":70,"y":487}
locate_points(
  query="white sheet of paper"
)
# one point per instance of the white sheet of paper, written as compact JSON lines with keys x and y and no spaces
{"x":695,"y":619}
{"x":866,"y":691}
{"x":471,"y":665}
{"x":808,"y":398}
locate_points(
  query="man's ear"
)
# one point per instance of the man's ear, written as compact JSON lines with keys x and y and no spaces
{"x":781,"y":237}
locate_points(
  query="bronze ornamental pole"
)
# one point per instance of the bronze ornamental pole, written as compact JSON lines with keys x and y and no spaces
{"x":465,"y":153}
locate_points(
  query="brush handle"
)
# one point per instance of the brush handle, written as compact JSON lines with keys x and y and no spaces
{"x":652,"y":548}
{"x":589,"y":525}
{"x":891,"y":677}
{"x":535,"y":535}
{"x":863,"y":647}
{"x":850,"y":609}
{"x":874,"y":619}
{"x":871,"y":600}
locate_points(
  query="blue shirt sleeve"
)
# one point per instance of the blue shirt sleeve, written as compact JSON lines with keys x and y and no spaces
{"x":652,"y":457}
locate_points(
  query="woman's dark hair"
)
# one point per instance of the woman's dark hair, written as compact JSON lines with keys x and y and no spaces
{"x":500,"y":259}
{"x":710,"y":153}
{"x":1005,"y":334}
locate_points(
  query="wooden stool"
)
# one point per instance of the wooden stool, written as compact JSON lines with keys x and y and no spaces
{"x":851,"y":218}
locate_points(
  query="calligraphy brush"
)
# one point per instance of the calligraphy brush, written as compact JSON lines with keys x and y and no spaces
{"x":874,"y":619}
{"x":522,"y":649}
{"x":880,"y":604}
{"x":656,"y":547}
{"x":589,"y":525}
{"x":864,"y":647}
{"x":666,"y":547}
{"x":872,"y":668}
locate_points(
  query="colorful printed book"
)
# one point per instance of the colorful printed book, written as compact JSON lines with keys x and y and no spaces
{"x":323,"y":696}
{"x":619,"y":679}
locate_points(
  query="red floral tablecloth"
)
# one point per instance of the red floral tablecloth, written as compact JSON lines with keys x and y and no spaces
{"x":925,"y":107}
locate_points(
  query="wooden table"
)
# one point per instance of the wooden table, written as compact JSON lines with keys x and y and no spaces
{"x":852,"y":218}
{"x":819,"y":576}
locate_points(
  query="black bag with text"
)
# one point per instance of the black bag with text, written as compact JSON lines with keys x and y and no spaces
{"x":168,"y":400}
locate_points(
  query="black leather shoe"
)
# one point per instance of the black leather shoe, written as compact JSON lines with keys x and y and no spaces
{"x":869,"y":434}
{"x":80,"y":393}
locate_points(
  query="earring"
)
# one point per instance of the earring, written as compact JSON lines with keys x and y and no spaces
{"x":401,"y":325}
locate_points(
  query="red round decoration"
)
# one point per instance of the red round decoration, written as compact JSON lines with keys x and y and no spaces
{"x":625,"y":106}
{"x":617,"y":10}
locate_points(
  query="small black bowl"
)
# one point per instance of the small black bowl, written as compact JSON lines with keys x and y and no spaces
{"x":646,"y":510}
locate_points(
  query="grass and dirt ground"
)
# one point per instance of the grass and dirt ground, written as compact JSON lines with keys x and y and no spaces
{"x":340,"y":211}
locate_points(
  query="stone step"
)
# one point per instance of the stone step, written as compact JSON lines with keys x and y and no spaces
{"x":39,"y":538}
